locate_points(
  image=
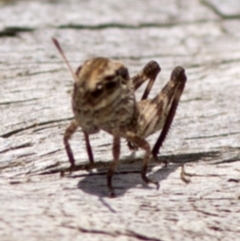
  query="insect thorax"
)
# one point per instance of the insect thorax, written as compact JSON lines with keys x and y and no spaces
{"x":110,"y":114}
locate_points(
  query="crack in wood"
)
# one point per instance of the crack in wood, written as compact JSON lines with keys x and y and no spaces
{"x":218,"y":12}
{"x":16,"y":131}
{"x":233,"y":180}
{"x":203,"y":211}
{"x":131,"y":26}
{"x":17,"y":101}
{"x":40,"y":72}
{"x":28,"y":144}
{"x":14,"y":31}
{"x":230,"y":160}
{"x":115,"y":233}
{"x":212,"y":136}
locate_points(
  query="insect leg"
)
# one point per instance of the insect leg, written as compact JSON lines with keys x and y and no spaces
{"x":149,"y":71}
{"x":142,"y":143}
{"x":89,"y":149}
{"x":67,"y":135}
{"x":170,"y":94}
{"x":116,"y":154}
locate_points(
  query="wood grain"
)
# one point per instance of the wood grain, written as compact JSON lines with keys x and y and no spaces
{"x":38,"y":204}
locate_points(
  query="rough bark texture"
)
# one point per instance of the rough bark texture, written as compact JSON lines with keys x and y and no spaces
{"x":37,"y":204}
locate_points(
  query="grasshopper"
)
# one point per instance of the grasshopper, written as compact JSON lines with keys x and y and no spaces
{"x":104,"y":99}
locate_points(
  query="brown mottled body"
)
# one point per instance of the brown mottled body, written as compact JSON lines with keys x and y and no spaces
{"x":104,"y":99}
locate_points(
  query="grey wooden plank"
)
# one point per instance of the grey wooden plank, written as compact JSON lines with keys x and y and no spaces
{"x":35,"y":110}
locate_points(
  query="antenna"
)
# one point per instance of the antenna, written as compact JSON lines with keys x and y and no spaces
{"x":58,"y":46}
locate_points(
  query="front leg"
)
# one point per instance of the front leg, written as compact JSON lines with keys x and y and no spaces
{"x":89,"y":149}
{"x":71,"y":129}
{"x":150,"y":71}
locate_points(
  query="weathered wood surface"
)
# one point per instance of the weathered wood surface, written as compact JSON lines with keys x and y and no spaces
{"x":202,"y":36}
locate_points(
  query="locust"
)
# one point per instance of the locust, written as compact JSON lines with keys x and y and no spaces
{"x":103,"y":98}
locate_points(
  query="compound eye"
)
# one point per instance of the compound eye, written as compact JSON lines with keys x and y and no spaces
{"x":111,"y":85}
{"x":110,"y":78}
{"x":97,"y":92}
{"x":123,"y":72}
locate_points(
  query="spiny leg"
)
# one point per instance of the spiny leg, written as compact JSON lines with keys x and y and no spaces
{"x":173,"y":91}
{"x":116,"y":154}
{"x":89,"y":149}
{"x":166,"y":127}
{"x":142,"y":143}
{"x":149,"y":71}
{"x":67,"y":135}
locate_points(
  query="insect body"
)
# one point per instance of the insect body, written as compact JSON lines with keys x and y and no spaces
{"x":104,"y":99}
